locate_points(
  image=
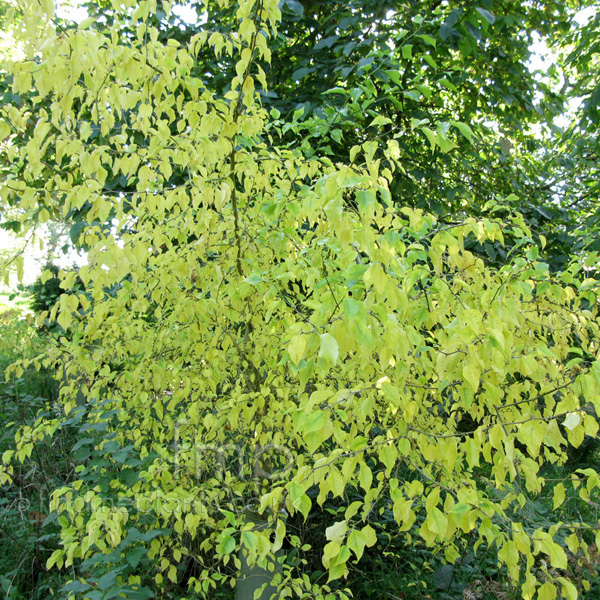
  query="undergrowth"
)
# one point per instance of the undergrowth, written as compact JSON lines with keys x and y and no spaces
{"x":398,"y":567}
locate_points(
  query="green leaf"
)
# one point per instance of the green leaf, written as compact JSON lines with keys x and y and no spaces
{"x":558,"y":495}
{"x":326,"y":42}
{"x":329,"y":350}
{"x":413,"y":95}
{"x":353,"y":152}
{"x":380,"y":120}
{"x":546,"y":544}
{"x":472,"y":373}
{"x":366,"y":199}
{"x":301,"y":73}
{"x":134,"y":555}
{"x":476,"y":33}
{"x":356,"y":543}
{"x":250,"y":540}
{"x":299,"y":499}
{"x":486,"y":14}
{"x":297,"y":348}
{"x":337,"y":531}
{"x":108,"y":580}
{"x":293,"y":6}
{"x":253,"y":279}
{"x":76,"y":587}
{"x":369,"y":535}
{"x":54,"y":558}
{"x":5,"y":130}
{"x":388,"y":454}
{"x":431,"y":136}
{"x":227,"y":544}
{"x":430,"y":61}
{"x":464,"y":129}
{"x":313,"y":422}
{"x":438,"y":522}
{"x":428,"y":40}
{"x":365,"y":477}
{"x":572,"y":420}
{"x":547,"y":591}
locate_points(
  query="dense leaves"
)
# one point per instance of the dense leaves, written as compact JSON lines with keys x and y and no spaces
{"x":290,"y":326}
{"x":449,"y":82}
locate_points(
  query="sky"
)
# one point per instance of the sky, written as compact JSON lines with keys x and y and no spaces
{"x":543,"y":57}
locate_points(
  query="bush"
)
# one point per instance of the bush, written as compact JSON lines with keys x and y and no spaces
{"x":26,"y":540}
{"x":46,"y":292}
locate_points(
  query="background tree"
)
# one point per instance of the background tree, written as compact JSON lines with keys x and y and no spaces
{"x":346,"y":73}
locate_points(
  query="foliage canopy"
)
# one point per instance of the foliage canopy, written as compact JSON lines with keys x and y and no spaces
{"x":251,"y":296}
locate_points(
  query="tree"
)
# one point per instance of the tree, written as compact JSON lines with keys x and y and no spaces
{"x":353,"y":71}
{"x":576,"y":163}
{"x":277,"y":315}
{"x":411,"y":71}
